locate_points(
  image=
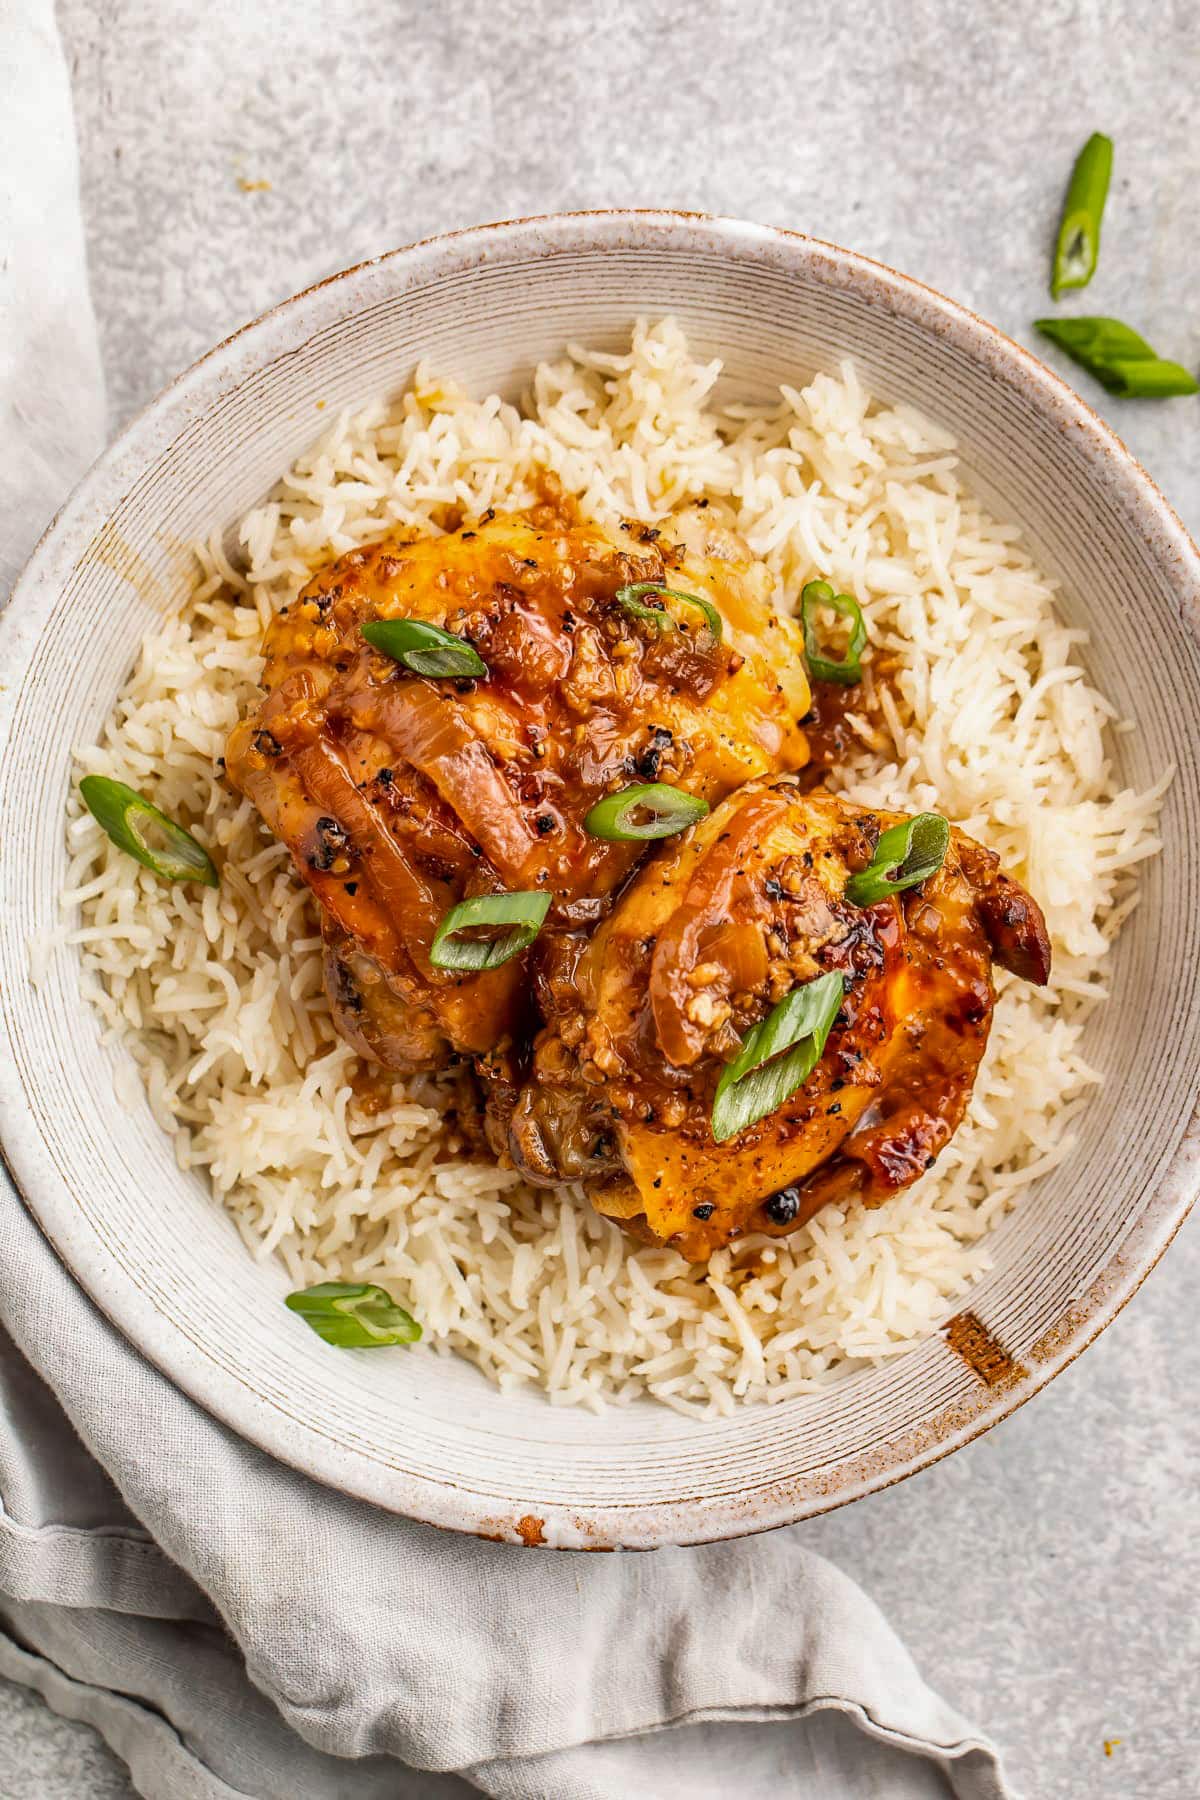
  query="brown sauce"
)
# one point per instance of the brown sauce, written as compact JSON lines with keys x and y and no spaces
{"x":832,"y":739}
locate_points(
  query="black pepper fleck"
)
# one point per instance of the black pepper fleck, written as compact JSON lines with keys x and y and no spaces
{"x":332,"y":842}
{"x":649,"y":763}
{"x":784,"y":1206}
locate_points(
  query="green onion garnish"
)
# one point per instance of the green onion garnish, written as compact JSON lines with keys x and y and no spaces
{"x":134,"y":825}
{"x":1078,"y":248}
{"x":818,"y":594}
{"x":776,"y":1056}
{"x":524,"y":912}
{"x":906,"y":854}
{"x":1120,"y":360}
{"x":654,"y":810}
{"x":354,"y":1314}
{"x":631,"y":599}
{"x":425,"y":649}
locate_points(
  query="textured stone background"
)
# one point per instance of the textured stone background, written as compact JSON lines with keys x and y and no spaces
{"x":1047,"y":1577}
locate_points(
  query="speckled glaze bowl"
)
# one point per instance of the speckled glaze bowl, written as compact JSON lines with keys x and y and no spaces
{"x":427,"y":1436}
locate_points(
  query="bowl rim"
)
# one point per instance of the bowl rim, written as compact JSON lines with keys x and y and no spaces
{"x":88,"y":508}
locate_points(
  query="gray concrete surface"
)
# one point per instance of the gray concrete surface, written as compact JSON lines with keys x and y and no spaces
{"x":43,"y":1757}
{"x":1047,"y":1577}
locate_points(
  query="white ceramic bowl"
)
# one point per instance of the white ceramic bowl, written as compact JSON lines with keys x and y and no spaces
{"x":427,"y":1436}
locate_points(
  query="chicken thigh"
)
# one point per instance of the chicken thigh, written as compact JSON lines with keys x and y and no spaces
{"x":400,"y":794}
{"x":719,"y":927}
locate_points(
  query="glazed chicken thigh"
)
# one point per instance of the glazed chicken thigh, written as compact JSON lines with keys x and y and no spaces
{"x":400,"y":794}
{"x":711,"y":934}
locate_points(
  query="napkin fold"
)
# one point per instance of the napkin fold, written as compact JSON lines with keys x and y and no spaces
{"x":235,"y":1630}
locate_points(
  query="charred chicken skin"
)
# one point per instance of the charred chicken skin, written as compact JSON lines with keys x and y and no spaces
{"x":709,"y":936}
{"x":401,"y":795}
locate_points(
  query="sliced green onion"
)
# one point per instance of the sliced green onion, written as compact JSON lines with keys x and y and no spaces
{"x":525,"y":912}
{"x":425,"y":649}
{"x":777,"y":1056}
{"x":134,"y":825}
{"x":631,"y":599}
{"x":654,"y":810}
{"x":354,"y":1315}
{"x":906,"y":854}
{"x":1078,"y":248}
{"x":1120,"y":360}
{"x":818,"y":594}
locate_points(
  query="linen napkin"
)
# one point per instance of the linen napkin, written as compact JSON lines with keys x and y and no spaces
{"x":233,"y":1629}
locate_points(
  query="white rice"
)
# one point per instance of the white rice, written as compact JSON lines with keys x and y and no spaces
{"x":218,"y":996}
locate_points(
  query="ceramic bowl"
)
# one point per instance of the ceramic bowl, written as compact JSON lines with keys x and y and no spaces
{"x":426,"y":1436}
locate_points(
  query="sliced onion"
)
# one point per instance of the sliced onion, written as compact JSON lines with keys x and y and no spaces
{"x":704,"y":907}
{"x":431,"y":732}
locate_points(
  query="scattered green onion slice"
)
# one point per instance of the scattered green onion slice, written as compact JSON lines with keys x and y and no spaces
{"x":1077,"y":250}
{"x":776,"y":1056}
{"x":631,"y":599}
{"x":354,"y":1315}
{"x":425,"y":649}
{"x":524,"y":912}
{"x":133,"y":825}
{"x":818,"y":594}
{"x":670,"y":811}
{"x":1120,"y":360}
{"x":906,"y":854}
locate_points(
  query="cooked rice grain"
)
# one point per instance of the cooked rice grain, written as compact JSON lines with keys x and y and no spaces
{"x":217,"y":993}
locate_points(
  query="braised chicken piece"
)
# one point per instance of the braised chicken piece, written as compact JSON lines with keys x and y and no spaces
{"x":719,"y":927}
{"x":401,"y":794}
